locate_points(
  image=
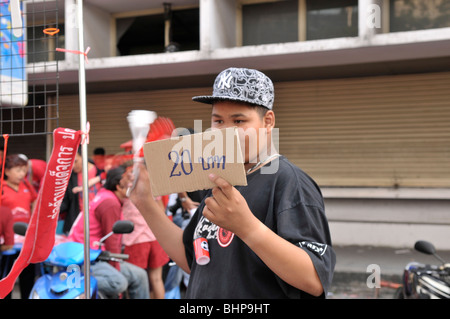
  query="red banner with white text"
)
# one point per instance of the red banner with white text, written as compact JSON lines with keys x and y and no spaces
{"x":40,"y":236}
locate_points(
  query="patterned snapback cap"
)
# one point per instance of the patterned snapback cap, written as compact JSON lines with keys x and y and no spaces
{"x":241,"y":84}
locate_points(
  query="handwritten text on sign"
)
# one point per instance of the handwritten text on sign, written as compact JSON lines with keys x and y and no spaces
{"x":184,"y":163}
{"x":207,"y":164}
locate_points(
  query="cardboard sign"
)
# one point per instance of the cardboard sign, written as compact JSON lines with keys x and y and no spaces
{"x":183,"y":163}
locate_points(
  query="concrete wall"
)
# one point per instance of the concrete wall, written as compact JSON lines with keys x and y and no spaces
{"x":217,"y":24}
{"x":391,"y":221}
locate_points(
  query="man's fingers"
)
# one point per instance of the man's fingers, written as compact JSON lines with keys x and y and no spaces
{"x":211,"y":203}
{"x":222,"y":184}
{"x":219,"y":196}
{"x":210,"y":206}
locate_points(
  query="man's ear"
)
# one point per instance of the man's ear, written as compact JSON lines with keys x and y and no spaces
{"x":118,"y":186}
{"x":269,"y":120}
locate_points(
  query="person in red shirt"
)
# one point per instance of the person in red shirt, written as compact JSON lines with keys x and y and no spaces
{"x":99,"y":158}
{"x":36,"y":171}
{"x":18,"y":194}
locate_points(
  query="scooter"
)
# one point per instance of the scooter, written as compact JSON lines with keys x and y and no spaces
{"x":61,"y":275}
{"x":421,"y":281}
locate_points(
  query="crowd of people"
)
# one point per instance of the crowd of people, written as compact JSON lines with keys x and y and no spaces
{"x":141,"y":276}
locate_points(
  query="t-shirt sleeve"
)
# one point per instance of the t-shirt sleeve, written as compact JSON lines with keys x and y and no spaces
{"x":301,"y":220}
{"x":306,"y":227}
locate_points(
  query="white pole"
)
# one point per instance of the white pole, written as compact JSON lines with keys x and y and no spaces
{"x":83,"y":124}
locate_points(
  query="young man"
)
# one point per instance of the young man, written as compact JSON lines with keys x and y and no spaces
{"x":269,"y":239}
{"x":113,"y":278}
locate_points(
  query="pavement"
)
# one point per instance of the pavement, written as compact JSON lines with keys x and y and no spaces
{"x":355,"y":266}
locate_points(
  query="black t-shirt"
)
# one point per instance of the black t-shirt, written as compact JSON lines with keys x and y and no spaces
{"x":290,"y":203}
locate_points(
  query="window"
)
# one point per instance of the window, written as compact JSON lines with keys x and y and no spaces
{"x":147,"y":34}
{"x":331,"y":19}
{"x":409,"y":15}
{"x":280,"y":21}
{"x":44,"y":30}
{"x":41,"y":47}
{"x":272,"y":22}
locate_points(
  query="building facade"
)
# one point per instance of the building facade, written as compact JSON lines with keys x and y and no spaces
{"x":362,"y":93}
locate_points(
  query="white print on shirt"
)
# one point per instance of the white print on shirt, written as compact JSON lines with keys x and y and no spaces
{"x":19,"y":212}
{"x":208,"y":230}
{"x":317,"y":248}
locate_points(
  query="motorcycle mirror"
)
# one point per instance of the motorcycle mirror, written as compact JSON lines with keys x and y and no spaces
{"x":20,"y":228}
{"x":123,"y":227}
{"x":425,"y":247}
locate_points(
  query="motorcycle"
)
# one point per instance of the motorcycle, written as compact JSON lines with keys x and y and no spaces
{"x":61,"y":275}
{"x":423,"y":281}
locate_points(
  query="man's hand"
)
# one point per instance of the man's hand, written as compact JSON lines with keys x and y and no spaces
{"x":142,"y":188}
{"x":227,"y":208}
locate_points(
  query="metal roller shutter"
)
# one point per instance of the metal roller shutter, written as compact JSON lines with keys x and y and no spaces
{"x":389,"y":131}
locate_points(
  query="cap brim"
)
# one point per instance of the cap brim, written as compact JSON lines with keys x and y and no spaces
{"x":204,"y":99}
{"x":208,"y":99}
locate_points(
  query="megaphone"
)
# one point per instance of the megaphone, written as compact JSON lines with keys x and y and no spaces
{"x":139,"y":122}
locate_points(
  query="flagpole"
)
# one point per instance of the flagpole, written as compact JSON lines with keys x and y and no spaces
{"x":83,"y":124}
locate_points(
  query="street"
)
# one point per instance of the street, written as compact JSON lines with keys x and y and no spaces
{"x":354,"y":286}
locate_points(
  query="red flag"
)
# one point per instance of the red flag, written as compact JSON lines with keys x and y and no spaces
{"x":40,"y":236}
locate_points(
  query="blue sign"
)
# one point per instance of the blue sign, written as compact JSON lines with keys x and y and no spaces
{"x":13,"y":58}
